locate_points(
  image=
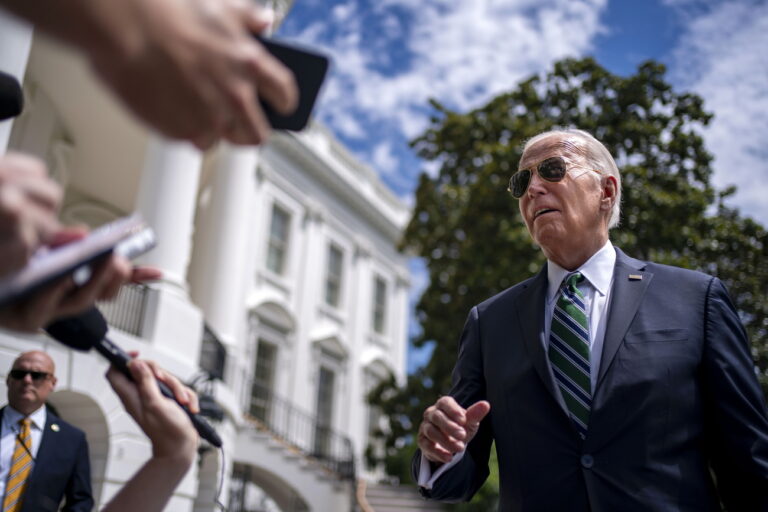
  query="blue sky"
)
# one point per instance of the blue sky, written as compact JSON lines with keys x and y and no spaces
{"x":389,"y":56}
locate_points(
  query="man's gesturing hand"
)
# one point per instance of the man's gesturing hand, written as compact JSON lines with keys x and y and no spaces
{"x":447,"y":428}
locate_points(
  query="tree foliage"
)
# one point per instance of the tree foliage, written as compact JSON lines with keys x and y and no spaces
{"x":469,"y":230}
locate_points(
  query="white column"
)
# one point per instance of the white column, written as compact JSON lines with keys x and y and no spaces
{"x":15,"y":42}
{"x":359,"y":310}
{"x":166,"y":199}
{"x":362,"y":308}
{"x":219,"y":276}
{"x":307,"y":296}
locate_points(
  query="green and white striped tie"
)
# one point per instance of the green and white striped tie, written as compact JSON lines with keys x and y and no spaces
{"x":569,"y":351}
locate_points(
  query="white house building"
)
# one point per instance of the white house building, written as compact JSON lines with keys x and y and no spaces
{"x":284,"y":298}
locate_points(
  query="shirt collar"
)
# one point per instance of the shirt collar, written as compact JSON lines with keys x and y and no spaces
{"x":597,"y":270}
{"x":11,"y":417}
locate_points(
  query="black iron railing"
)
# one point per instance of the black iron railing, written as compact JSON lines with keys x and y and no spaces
{"x":126,"y":311}
{"x":303,"y":431}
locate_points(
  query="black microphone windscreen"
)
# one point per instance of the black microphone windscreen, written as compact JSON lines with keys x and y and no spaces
{"x":87,"y":330}
{"x":80,"y":332}
{"x":11,"y":96}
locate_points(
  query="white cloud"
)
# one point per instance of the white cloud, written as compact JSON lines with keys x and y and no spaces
{"x":347,"y":124}
{"x":343,"y":13}
{"x":722,"y":57}
{"x":383,"y":158}
{"x":432,"y":167}
{"x":462,"y":53}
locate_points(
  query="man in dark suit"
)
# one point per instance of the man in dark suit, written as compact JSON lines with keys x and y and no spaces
{"x":607,"y":383}
{"x":57,"y":451}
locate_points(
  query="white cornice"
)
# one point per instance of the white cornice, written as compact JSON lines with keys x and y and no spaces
{"x":318,"y":154}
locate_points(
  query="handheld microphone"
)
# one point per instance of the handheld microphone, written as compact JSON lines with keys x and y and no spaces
{"x":11,"y":97}
{"x":88,"y":330}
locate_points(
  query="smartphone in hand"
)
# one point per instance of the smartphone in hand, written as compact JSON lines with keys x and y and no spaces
{"x":309,"y":69}
{"x":128,"y":236}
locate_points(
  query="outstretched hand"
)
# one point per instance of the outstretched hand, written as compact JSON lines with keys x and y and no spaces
{"x":29,"y":205}
{"x":193,"y":70}
{"x":66,"y":298}
{"x":190,"y":69}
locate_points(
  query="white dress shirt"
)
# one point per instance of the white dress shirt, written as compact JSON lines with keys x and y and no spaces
{"x":8,"y":433}
{"x":598,"y":275}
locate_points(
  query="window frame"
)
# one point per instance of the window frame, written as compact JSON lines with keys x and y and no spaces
{"x":331,"y":279}
{"x":379,"y":309}
{"x":276,"y":244}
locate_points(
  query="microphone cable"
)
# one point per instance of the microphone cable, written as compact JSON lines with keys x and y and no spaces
{"x":217,"y":500}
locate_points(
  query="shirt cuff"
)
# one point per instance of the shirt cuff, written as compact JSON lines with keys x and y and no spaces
{"x":426,"y":478}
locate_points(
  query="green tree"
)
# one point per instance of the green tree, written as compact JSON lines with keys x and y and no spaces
{"x":469,"y":230}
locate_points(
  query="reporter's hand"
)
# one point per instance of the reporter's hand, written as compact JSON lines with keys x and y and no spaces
{"x":65,"y":298}
{"x":174,"y":439}
{"x":192,"y":69}
{"x":29,"y":204}
{"x":447,"y":428}
{"x":162,"y":420}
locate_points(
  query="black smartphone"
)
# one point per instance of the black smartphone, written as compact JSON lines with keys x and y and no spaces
{"x":309,"y":67}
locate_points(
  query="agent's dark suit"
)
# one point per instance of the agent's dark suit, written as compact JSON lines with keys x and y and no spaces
{"x":676,"y":392}
{"x":61,"y":471}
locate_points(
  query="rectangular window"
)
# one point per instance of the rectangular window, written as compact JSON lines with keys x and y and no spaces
{"x":325,"y":384}
{"x":379,"y":304}
{"x":333,"y":276}
{"x":279,"y":231}
{"x":263,"y":381}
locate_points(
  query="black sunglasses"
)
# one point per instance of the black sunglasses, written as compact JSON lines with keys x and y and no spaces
{"x":552,"y":169}
{"x":20,"y":374}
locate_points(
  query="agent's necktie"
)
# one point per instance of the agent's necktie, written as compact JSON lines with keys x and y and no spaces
{"x":21,"y":465}
{"x":569,"y":351}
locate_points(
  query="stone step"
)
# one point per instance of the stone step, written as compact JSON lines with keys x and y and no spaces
{"x":405,"y":505}
{"x":394,"y":491}
{"x":423,"y":507}
{"x":388,"y":498}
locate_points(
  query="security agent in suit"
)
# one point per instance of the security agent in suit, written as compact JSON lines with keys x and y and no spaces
{"x":676,"y":420}
{"x":60,"y":451}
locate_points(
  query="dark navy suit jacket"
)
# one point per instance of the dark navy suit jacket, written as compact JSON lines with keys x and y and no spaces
{"x":61,"y":471}
{"x":676,"y":395}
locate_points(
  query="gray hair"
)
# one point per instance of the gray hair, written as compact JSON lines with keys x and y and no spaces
{"x":594,"y":152}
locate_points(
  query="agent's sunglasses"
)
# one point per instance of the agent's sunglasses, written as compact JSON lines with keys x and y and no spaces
{"x":36,"y":376}
{"x":552,"y":169}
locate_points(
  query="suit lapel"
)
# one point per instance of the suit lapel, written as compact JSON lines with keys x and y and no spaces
{"x":530,"y":317}
{"x":48,"y":444}
{"x":629,"y":284}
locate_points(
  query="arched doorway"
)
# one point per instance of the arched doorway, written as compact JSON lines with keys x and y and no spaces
{"x":84,"y":413}
{"x":254,"y":489}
